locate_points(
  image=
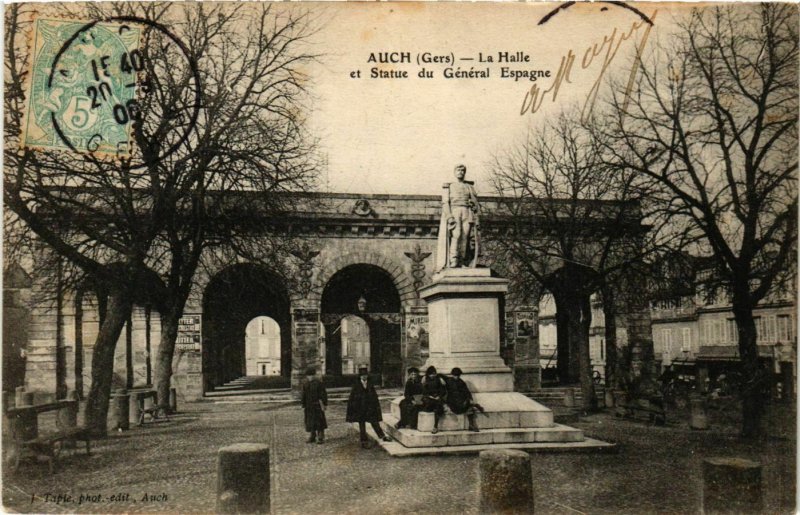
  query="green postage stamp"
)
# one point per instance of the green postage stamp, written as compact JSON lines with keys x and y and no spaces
{"x":82,"y":87}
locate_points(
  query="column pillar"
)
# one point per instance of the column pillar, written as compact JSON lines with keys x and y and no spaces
{"x":640,"y":339}
{"x":155,"y":339}
{"x":527,"y":366}
{"x":42,"y":348}
{"x":90,"y":326}
{"x":120,"y":379}
{"x":415,"y":337}
{"x":187,"y":361}
{"x":139,"y":345}
{"x":68,"y":331}
{"x":305,"y":339}
{"x":639,"y":329}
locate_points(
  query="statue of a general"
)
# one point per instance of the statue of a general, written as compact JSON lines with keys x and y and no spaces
{"x":459,"y":242}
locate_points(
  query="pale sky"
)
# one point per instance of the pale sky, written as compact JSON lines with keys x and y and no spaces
{"x":405,"y":136}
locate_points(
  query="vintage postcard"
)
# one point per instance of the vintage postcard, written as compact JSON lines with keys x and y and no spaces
{"x":440,"y":257}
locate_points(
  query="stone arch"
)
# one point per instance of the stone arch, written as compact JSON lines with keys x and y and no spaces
{"x":400,"y":278}
{"x":232,"y":298}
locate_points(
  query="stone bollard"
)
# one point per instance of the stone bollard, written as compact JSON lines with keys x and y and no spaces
{"x":173,"y":400}
{"x":609,"y":395}
{"x":119,"y":410}
{"x":506,"y":482}
{"x":18,"y":396}
{"x":243,"y":478}
{"x":569,"y":398}
{"x":134,"y":409}
{"x":731,"y":485}
{"x":698,"y":418}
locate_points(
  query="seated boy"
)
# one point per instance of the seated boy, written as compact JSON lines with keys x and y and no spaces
{"x":459,"y":399}
{"x":434,"y":392}
{"x":412,"y":400}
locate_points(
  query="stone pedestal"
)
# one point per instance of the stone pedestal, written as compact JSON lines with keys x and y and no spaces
{"x":732,"y":485}
{"x":464,"y":311}
{"x":243,"y":479}
{"x":698,"y":418}
{"x":506,"y":481}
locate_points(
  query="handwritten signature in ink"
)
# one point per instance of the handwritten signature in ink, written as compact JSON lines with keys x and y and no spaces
{"x":638,"y":34}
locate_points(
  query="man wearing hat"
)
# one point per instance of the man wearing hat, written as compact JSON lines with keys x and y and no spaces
{"x":363,"y":406}
{"x":459,"y":398}
{"x":314,"y":401}
{"x":412,"y":400}
{"x":434,"y":393}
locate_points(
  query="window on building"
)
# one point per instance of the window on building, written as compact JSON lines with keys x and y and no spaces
{"x":718,"y":335}
{"x":784,"y":328}
{"x":686,"y":345}
{"x":733,"y":332}
{"x":772,"y":328}
{"x":766,"y":328}
{"x":666,"y":339}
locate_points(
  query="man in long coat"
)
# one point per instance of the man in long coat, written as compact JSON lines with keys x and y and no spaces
{"x":314,"y":401}
{"x":363,"y":406}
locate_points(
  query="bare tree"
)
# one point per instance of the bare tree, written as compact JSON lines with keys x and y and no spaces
{"x":98,"y":215}
{"x":249,"y":150}
{"x":575,"y":224}
{"x":712,"y":119}
{"x":244,"y":64}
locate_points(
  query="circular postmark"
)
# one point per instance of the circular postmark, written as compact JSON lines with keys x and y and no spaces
{"x":123,"y":87}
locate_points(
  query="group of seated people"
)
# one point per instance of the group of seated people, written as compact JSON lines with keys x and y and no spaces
{"x":432,"y":394}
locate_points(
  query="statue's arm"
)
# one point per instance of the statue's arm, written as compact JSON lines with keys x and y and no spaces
{"x":475,"y":200}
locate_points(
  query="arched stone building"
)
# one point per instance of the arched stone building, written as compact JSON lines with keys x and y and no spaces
{"x":356,"y":257}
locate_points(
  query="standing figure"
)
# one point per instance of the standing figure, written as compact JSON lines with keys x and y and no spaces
{"x":459,"y":242}
{"x":363,"y":406}
{"x":412,"y":400}
{"x":434,"y":393}
{"x":459,"y":399}
{"x":314,"y":401}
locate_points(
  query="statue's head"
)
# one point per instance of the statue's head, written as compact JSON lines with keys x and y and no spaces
{"x":460,"y":171}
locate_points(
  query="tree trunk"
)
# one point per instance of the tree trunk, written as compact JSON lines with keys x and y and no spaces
{"x":584,"y":316}
{"x":562,"y":345}
{"x":568,"y":335}
{"x":753,"y":379}
{"x":166,"y":350}
{"x":117,"y":310}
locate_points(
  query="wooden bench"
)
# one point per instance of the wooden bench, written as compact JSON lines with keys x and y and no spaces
{"x":651,"y":409}
{"x":148,"y":406}
{"x":23,"y":425}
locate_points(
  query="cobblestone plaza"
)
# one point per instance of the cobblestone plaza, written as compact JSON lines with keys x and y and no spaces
{"x":171,"y":467}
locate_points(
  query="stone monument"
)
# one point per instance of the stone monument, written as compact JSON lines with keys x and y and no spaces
{"x":465,"y":305}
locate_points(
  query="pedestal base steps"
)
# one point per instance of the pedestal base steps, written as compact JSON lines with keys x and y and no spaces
{"x":510,"y":421}
{"x":501,"y":410}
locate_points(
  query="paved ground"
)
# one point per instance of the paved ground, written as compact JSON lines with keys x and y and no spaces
{"x":657,"y":469}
